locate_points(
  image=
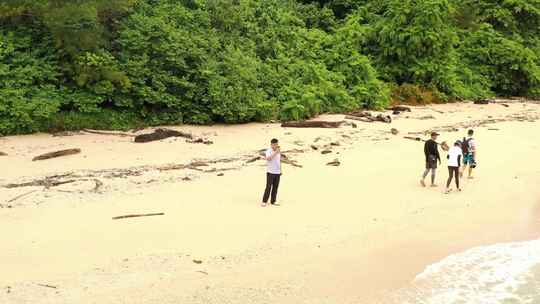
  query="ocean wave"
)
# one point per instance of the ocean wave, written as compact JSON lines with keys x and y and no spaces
{"x":497,"y":274}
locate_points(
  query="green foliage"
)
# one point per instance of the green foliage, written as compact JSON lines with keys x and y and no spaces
{"x":28,"y":74}
{"x":127,"y":63}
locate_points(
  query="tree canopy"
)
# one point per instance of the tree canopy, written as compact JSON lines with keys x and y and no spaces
{"x":126,"y":63}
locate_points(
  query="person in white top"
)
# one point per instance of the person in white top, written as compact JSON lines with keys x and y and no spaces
{"x":454,"y":162}
{"x":273,"y":172}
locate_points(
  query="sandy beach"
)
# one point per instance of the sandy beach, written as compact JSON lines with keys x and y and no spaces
{"x":354,"y":233}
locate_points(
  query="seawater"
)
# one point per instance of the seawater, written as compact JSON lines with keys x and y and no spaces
{"x":505,"y":273}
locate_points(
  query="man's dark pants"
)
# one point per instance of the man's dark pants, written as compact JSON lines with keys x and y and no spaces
{"x":272,"y":184}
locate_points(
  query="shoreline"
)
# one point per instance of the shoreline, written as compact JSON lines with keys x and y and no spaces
{"x":334,"y":222}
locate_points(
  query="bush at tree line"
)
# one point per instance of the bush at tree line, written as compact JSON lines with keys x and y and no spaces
{"x":128,"y":63}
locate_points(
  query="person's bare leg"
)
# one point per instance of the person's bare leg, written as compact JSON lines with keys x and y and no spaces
{"x":433,"y":173}
{"x":422,"y":182}
{"x":470,"y":173}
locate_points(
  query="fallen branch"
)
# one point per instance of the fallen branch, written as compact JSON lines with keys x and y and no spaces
{"x":160,"y":134}
{"x":136,"y":215}
{"x":291,"y":162}
{"x":312,"y":124}
{"x":21,"y":196}
{"x":400,"y":109}
{"x":46,"y":285}
{"x":112,"y":133}
{"x":367,"y":117}
{"x":254,"y":159}
{"x":57,"y":154}
{"x":413,"y":138}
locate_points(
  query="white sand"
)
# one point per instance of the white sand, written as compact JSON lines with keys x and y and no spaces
{"x":344,"y":234}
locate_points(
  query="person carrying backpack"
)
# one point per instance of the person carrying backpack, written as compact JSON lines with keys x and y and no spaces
{"x":468,"y":146}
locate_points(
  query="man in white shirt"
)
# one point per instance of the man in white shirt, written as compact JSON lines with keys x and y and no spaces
{"x":454,"y":162}
{"x":273,"y":172}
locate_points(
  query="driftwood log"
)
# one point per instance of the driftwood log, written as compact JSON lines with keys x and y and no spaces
{"x":160,"y":134}
{"x":312,"y":124}
{"x":380,"y":117}
{"x":3,"y":154}
{"x":57,"y":154}
{"x":114,"y":133}
{"x":400,"y":109}
{"x":136,"y":215}
{"x":483,"y":101}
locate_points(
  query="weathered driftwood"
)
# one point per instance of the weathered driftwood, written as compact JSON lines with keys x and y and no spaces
{"x":483,"y":101}
{"x":3,"y":154}
{"x":57,"y":154}
{"x":253,"y":159}
{"x":334,"y":163}
{"x":368,"y":117}
{"x":160,"y":134}
{"x":400,"y":109}
{"x":136,"y":215}
{"x":113,"y":133}
{"x":48,"y":286}
{"x":413,"y":138}
{"x":21,"y":196}
{"x":291,"y":162}
{"x":312,"y":124}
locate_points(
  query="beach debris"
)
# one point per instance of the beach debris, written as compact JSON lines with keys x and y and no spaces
{"x":504,"y":105}
{"x":253,"y":159}
{"x":197,"y":261}
{"x":57,"y":154}
{"x":65,"y":133}
{"x":493,"y":129}
{"x":200,"y":141}
{"x":484,"y":101}
{"x":288,"y":161}
{"x":21,"y":196}
{"x":351,"y":124}
{"x":334,"y":163}
{"x":186,"y":179}
{"x":203,"y":272}
{"x":314,"y":147}
{"x":47,"y":285}
{"x":412,"y":138}
{"x":335,"y":143}
{"x":326,"y":151}
{"x":160,"y":134}
{"x":112,"y":133}
{"x":368,"y":117}
{"x":426,"y":117}
{"x":394,"y":131}
{"x":400,"y":109}
{"x":3,"y":153}
{"x":137,"y":215}
{"x":221,"y":174}
{"x":312,"y":124}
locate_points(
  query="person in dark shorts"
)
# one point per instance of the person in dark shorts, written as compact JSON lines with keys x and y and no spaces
{"x":431,"y":152}
{"x":468,"y":145}
{"x":273,"y":173}
{"x":454,"y":162}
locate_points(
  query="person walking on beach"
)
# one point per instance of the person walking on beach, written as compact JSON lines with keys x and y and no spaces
{"x":454,"y":162}
{"x":273,"y":173}
{"x":431,"y":152}
{"x":468,"y":145}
